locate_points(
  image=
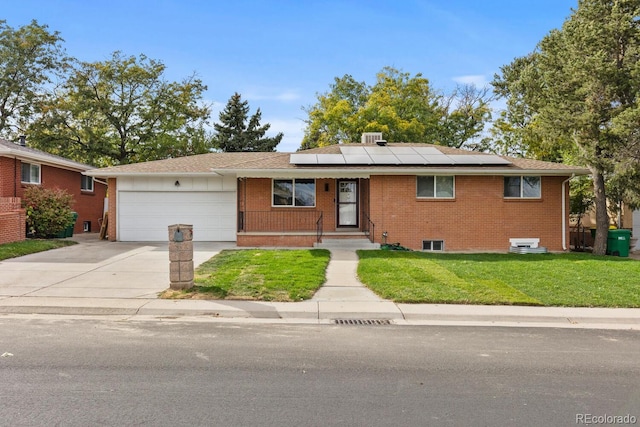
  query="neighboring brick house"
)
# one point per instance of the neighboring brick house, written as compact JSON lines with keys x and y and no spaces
{"x":422,"y":196}
{"x":22,"y":167}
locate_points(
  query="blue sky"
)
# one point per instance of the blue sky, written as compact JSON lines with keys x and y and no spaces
{"x":279,"y":54}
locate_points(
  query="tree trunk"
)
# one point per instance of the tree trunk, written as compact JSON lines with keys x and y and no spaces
{"x":602,"y":216}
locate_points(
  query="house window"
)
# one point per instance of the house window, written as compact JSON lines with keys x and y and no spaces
{"x":86,"y":183}
{"x":30,"y":173}
{"x":435,"y":186}
{"x":433,"y":245}
{"x":294,"y":192}
{"x":524,"y":187}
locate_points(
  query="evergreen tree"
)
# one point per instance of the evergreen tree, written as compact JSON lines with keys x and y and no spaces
{"x":234,"y":134}
{"x":576,"y":96}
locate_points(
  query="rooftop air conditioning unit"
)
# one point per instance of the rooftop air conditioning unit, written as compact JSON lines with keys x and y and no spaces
{"x":371,"y":137}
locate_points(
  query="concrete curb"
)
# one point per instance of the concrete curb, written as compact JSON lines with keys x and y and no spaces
{"x":327,"y":311}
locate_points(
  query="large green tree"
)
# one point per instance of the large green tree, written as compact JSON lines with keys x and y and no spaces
{"x":577,"y":95}
{"x":122,"y":111}
{"x":234,"y":133}
{"x":403,"y":107}
{"x":31,"y":57}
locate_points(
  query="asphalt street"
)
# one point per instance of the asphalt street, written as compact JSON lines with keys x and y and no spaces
{"x":82,"y":371}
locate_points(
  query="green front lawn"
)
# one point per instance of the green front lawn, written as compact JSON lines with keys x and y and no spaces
{"x":257,"y":274}
{"x":31,"y":246}
{"x":573,"y":279}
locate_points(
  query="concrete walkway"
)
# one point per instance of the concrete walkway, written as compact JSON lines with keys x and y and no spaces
{"x":118,"y":279}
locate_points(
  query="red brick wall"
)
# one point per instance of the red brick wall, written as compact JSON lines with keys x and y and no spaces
{"x":255,"y":195}
{"x":479,"y":218}
{"x":12,"y":220}
{"x":7,"y":174}
{"x":88,"y":205}
{"x":276,"y":240}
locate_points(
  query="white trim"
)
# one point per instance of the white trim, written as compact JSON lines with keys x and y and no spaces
{"x":30,"y":166}
{"x":525,"y":242}
{"x":43,"y":159}
{"x":435,"y":192}
{"x":87,"y":190}
{"x":293,"y":195}
{"x":354,"y":172}
{"x":522,"y":197}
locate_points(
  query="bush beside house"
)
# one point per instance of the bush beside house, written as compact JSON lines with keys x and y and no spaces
{"x":48,"y":211}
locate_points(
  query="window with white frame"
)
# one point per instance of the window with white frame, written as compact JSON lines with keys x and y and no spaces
{"x":435,"y":186}
{"x":294,"y":192}
{"x":523,"y":187}
{"x":86,"y":183}
{"x":30,"y":173}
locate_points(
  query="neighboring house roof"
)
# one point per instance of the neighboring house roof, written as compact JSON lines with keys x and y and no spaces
{"x":28,"y":154}
{"x":343,"y":161}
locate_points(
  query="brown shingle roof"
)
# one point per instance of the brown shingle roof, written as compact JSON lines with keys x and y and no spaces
{"x":8,"y":148}
{"x":238,"y":162}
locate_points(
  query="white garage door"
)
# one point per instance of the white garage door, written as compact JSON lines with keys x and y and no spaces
{"x":145,"y":216}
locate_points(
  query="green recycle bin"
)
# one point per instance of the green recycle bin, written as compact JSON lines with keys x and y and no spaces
{"x":618,"y":242}
{"x":68,"y":232}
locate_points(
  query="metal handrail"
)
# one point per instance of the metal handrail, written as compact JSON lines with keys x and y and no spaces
{"x":369,"y":227}
{"x":319,"y":228}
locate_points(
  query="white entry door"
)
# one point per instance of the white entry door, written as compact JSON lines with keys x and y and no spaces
{"x":347,"y":203}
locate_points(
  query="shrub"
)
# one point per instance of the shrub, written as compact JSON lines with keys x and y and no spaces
{"x":48,"y":211}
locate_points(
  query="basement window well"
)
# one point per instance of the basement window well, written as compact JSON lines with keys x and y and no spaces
{"x":433,"y":245}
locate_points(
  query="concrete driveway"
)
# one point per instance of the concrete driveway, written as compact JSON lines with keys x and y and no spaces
{"x":96,"y":269}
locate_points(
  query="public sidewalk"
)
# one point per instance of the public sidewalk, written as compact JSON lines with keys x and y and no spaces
{"x":122,"y":280}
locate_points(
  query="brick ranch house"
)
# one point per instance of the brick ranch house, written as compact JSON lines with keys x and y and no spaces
{"x":422,"y":196}
{"x":22,"y":167}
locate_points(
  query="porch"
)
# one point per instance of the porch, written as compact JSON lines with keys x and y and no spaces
{"x":302,"y":211}
{"x":295,"y":228}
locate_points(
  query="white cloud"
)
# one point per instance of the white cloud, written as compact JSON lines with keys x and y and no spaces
{"x":479,"y":80}
{"x":283,"y":96}
{"x":293,"y":130}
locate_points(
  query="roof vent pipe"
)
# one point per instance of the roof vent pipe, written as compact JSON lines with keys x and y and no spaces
{"x":22,"y":140}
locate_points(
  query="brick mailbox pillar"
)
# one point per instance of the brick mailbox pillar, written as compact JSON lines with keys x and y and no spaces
{"x":181,"y":256}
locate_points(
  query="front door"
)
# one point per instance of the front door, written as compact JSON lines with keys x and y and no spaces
{"x":348,"y":203}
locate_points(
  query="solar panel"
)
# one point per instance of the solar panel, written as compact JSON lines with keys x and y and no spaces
{"x":378,"y":150}
{"x":462,"y":159}
{"x":438,"y":159}
{"x":353,"y":150}
{"x":427,"y":151}
{"x":378,"y":155}
{"x":411,"y":159}
{"x":357,"y":159}
{"x":492,"y":159}
{"x":303,"y":159}
{"x":331,"y":159}
{"x":402,"y":150}
{"x":384,"y":159}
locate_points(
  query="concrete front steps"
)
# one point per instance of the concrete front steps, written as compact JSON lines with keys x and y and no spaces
{"x":347,"y":244}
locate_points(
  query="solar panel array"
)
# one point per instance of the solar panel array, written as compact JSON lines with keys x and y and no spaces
{"x":383,"y":155}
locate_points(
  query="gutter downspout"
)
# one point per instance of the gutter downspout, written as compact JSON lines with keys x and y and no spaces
{"x":564,"y":212}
